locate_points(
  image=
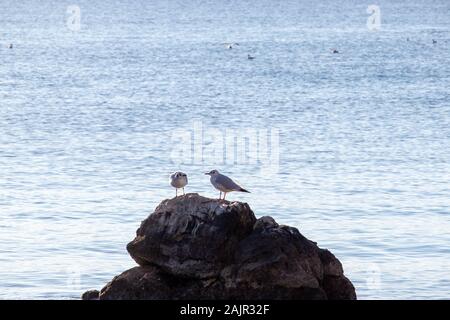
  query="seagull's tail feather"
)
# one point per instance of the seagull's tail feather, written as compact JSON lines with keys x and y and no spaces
{"x":243,"y":190}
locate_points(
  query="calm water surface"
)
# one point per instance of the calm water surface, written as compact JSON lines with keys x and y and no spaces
{"x":88,"y":118}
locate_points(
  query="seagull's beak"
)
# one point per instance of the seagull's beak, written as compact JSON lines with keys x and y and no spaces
{"x":207,"y":173}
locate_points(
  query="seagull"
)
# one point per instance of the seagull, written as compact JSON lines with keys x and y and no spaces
{"x":249,"y":57}
{"x":335,"y":51}
{"x":223,"y":183}
{"x":178,"y":180}
{"x":10,"y":46}
{"x":434,"y":41}
{"x":230,"y":45}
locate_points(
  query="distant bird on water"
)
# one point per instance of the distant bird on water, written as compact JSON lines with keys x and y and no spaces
{"x":249,"y":57}
{"x":229,"y":46}
{"x":334,"y":51}
{"x":10,"y":46}
{"x":434,"y":41}
{"x":178,"y":180}
{"x":223,"y":183}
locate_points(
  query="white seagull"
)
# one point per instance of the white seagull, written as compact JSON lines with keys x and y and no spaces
{"x":223,"y":183}
{"x":178,"y":180}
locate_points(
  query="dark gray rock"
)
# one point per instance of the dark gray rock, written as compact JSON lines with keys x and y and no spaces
{"x":192,"y":236}
{"x":90,"y":295}
{"x":193,"y":247}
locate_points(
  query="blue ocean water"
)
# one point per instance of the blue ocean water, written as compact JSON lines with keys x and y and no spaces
{"x":91,"y":119}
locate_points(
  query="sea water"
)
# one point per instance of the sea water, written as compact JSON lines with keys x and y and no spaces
{"x":101,"y":100}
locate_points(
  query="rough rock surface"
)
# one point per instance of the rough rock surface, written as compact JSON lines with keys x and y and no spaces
{"x":192,"y":236}
{"x":194,"y":247}
{"x":90,"y":295}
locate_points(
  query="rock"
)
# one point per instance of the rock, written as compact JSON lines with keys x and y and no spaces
{"x":192,"y":236}
{"x":90,"y":295}
{"x":193,"y":247}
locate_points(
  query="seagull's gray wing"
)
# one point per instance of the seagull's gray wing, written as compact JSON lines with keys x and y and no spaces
{"x":227,"y":183}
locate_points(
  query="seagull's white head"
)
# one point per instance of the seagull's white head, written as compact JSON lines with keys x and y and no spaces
{"x":178,"y":174}
{"x":212,"y":173}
